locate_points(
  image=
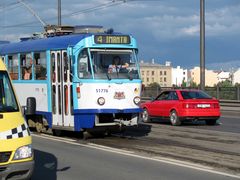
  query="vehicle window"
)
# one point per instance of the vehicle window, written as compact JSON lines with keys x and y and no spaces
{"x":26,"y":66}
{"x":8,"y":101}
{"x":13,"y":66}
{"x":163,"y":96}
{"x":172,"y":96}
{"x":195,"y":95}
{"x":40,"y":66}
{"x":84,"y":68}
{"x":114,"y":64}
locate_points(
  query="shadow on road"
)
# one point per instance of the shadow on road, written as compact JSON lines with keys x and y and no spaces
{"x":45,"y":166}
{"x":138,"y":131}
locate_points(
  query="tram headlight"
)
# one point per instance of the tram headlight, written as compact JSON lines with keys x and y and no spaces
{"x":101,"y":101}
{"x":137,"y":100}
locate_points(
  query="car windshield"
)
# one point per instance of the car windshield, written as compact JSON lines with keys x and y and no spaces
{"x":114,"y":64}
{"x":8,"y":101}
{"x":195,"y":95}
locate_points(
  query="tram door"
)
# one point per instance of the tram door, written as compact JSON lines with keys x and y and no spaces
{"x":61,"y":89}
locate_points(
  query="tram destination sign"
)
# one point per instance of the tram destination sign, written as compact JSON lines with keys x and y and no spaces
{"x":112,"y":39}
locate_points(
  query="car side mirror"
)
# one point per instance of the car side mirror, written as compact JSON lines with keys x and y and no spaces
{"x":30,"y":108}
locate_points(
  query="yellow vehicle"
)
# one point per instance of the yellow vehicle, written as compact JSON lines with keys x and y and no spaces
{"x":16,"y":153}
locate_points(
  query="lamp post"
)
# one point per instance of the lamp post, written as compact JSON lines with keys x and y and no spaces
{"x":202,"y":44}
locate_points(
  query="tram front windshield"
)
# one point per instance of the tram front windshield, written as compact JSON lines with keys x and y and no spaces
{"x":114,"y":64}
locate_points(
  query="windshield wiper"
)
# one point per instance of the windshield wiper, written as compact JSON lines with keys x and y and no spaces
{"x":109,"y":77}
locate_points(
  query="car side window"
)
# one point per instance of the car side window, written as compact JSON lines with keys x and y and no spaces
{"x":173,"y":95}
{"x":163,"y":96}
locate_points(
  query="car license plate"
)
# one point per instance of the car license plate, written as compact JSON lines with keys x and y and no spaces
{"x":203,"y":105}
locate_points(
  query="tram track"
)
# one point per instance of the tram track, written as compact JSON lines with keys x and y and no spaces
{"x":211,"y":148}
{"x":220,"y":150}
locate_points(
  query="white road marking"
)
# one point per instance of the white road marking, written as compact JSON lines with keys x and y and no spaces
{"x":132,"y":154}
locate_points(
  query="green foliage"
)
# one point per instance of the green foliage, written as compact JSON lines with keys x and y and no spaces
{"x":155,"y":84}
{"x":184,"y":84}
{"x":193,"y":84}
{"x":225,"y":83}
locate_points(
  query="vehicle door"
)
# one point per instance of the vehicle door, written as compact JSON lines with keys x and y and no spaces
{"x":158,"y":105}
{"x":170,"y":103}
{"x":62,"y":102}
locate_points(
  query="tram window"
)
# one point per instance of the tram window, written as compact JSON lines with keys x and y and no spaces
{"x":66,"y":67}
{"x":54,"y":99}
{"x":66,"y":100}
{"x":13,"y":66}
{"x":58,"y":67}
{"x":59,"y":100}
{"x":84,"y":69}
{"x":40,"y":66}
{"x":26,"y":66}
{"x":53,"y":67}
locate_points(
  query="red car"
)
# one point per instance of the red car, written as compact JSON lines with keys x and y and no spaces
{"x":182,"y":105}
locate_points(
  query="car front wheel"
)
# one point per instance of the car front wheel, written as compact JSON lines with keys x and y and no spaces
{"x":174,"y":118}
{"x":145,"y":116}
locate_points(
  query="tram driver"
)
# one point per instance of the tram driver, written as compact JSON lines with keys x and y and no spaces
{"x":117,"y":65}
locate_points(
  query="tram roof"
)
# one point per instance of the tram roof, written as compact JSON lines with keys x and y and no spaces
{"x":51,"y":43}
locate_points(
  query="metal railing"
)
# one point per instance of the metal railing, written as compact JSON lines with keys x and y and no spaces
{"x":229,"y":97}
{"x":221,"y":93}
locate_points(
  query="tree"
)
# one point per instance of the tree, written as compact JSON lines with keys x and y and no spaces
{"x":155,"y":84}
{"x":225,"y":83}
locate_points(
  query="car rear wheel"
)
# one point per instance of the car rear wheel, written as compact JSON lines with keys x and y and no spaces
{"x":211,"y":121}
{"x":145,"y":116}
{"x":174,"y":118}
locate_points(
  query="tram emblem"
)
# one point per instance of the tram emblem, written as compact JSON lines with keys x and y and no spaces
{"x":119,"y":95}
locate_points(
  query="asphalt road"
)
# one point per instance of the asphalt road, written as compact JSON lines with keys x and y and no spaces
{"x":229,"y":122}
{"x":61,"y":158}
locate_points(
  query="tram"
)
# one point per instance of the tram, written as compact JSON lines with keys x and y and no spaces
{"x":68,"y":76}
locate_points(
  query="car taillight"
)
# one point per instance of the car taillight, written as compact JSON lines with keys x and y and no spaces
{"x":189,"y":105}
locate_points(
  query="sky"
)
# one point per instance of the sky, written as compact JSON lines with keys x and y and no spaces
{"x":166,"y":30}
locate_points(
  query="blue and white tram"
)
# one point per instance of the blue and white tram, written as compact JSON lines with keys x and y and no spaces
{"x":70,"y":79}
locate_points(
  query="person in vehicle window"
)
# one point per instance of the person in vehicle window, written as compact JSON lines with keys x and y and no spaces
{"x":117,"y":65}
{"x":27,"y":74}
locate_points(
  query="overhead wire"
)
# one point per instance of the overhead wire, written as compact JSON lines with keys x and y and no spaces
{"x":84,"y":11}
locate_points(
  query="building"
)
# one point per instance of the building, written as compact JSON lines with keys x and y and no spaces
{"x":211,"y":77}
{"x":156,"y":73}
{"x":236,"y":77}
{"x":223,"y":76}
{"x":179,"y":75}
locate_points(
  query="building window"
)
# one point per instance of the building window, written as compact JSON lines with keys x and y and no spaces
{"x":165,"y":73}
{"x":160,"y":73}
{"x":147,"y":73}
{"x":152,"y":73}
{"x":165,"y":79}
{"x":147,"y":79}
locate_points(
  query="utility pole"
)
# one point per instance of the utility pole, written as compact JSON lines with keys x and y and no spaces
{"x":59,"y":13}
{"x":202,"y":44}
